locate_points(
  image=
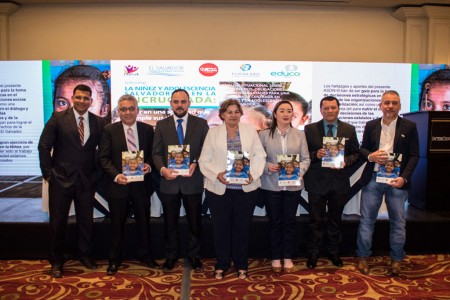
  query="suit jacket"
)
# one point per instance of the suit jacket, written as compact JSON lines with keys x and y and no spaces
{"x":406,"y":142}
{"x":112,"y":144}
{"x":69,"y":159}
{"x":295,"y":144}
{"x":319,"y":180}
{"x":214,"y":157}
{"x":165,"y":135}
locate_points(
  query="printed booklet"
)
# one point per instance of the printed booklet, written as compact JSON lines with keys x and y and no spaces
{"x":335,"y":148}
{"x":391,"y":169}
{"x":238,"y":167}
{"x":133,"y":165}
{"x":178,"y":158}
{"x":289,"y":174}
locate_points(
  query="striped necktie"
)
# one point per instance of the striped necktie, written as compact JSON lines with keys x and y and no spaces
{"x":81,"y":130}
{"x":131,"y":141}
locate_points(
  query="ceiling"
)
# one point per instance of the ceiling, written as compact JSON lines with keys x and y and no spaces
{"x":340,"y":3}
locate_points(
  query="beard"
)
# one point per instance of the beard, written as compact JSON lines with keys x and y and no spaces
{"x":179,"y":115}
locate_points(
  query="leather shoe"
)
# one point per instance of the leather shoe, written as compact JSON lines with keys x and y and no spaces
{"x":169,"y":264}
{"x":196,"y":264}
{"x":56,"y":271}
{"x":312,"y":261}
{"x":151,"y":263}
{"x":88,"y":263}
{"x":396,"y":267}
{"x":363,"y":266}
{"x":112,"y":269}
{"x":336,"y":260}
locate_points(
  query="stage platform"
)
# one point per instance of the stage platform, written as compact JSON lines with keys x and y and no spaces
{"x":24,"y":233}
{"x":24,"y":229}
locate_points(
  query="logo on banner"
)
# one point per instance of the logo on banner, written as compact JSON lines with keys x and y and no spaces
{"x":131,"y":70}
{"x":289,"y":71}
{"x":166,"y":70}
{"x":245,"y":68}
{"x":208,"y":69}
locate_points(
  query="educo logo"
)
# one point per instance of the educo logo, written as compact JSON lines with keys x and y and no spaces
{"x":208,"y":69}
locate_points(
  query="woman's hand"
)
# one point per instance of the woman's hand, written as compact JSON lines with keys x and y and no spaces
{"x":221,"y":177}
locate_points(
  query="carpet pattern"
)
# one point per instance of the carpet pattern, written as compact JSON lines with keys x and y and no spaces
{"x":422,"y":277}
{"x":25,"y":279}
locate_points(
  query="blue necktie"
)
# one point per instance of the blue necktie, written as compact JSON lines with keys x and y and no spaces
{"x":180,"y":131}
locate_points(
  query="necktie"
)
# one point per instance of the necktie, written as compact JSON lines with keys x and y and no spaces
{"x":180,"y":131}
{"x":131,"y":141}
{"x":81,"y":130}
{"x":330,"y":130}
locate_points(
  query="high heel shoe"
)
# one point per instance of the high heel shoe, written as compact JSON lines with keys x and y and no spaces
{"x":219,"y":274}
{"x":242,"y":274}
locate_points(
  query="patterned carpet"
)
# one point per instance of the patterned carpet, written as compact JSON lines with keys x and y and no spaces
{"x":423,"y":277}
{"x":25,"y":279}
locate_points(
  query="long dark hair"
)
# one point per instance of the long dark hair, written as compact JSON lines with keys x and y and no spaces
{"x":274,"y":124}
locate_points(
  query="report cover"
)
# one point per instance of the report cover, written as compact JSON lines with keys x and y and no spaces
{"x":178,"y":158}
{"x":289,"y":174}
{"x":238,"y":167}
{"x":335,"y":148}
{"x":391,"y":169}
{"x":133,"y":165}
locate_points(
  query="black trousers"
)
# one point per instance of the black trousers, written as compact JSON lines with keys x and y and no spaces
{"x":119,"y":209}
{"x":231,"y":215}
{"x":318,"y":209}
{"x":281,"y":208}
{"x":171,"y":204}
{"x":60,"y":200}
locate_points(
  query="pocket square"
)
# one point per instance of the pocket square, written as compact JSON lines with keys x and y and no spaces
{"x":402,"y":135}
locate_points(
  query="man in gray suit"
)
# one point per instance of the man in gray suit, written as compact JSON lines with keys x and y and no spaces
{"x":175,"y":187}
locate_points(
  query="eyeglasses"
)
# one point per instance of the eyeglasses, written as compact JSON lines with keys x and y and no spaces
{"x":130,"y":109}
{"x":81,"y":98}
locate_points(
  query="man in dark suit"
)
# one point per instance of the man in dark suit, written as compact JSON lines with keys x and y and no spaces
{"x":175,"y":187}
{"x":328,"y":186}
{"x":128,"y":135}
{"x":389,"y":134}
{"x":71,"y":171}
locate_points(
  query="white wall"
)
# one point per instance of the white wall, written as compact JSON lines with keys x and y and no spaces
{"x":205,"y":32}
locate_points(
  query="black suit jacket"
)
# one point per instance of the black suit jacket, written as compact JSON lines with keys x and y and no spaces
{"x":69,"y":159}
{"x":406,"y":142}
{"x":319,"y":180}
{"x":165,"y":135}
{"x":112,"y":144}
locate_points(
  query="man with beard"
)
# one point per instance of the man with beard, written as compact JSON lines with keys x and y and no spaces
{"x":180,"y":129}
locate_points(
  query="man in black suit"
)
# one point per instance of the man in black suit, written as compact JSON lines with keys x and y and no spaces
{"x":71,"y":171}
{"x":389,"y":134}
{"x":121,"y":192}
{"x":328,"y":186}
{"x":175,"y":187}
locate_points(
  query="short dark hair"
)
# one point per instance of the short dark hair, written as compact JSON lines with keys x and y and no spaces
{"x":180,"y":90}
{"x":83,"y":88}
{"x":329,"y":98}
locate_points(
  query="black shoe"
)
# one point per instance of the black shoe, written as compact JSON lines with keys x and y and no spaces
{"x":151,"y":263}
{"x":56,"y":271}
{"x":312,"y":261}
{"x":112,"y":269}
{"x":169,"y":264}
{"x":336,"y":260}
{"x":88,"y":263}
{"x":195,"y":263}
